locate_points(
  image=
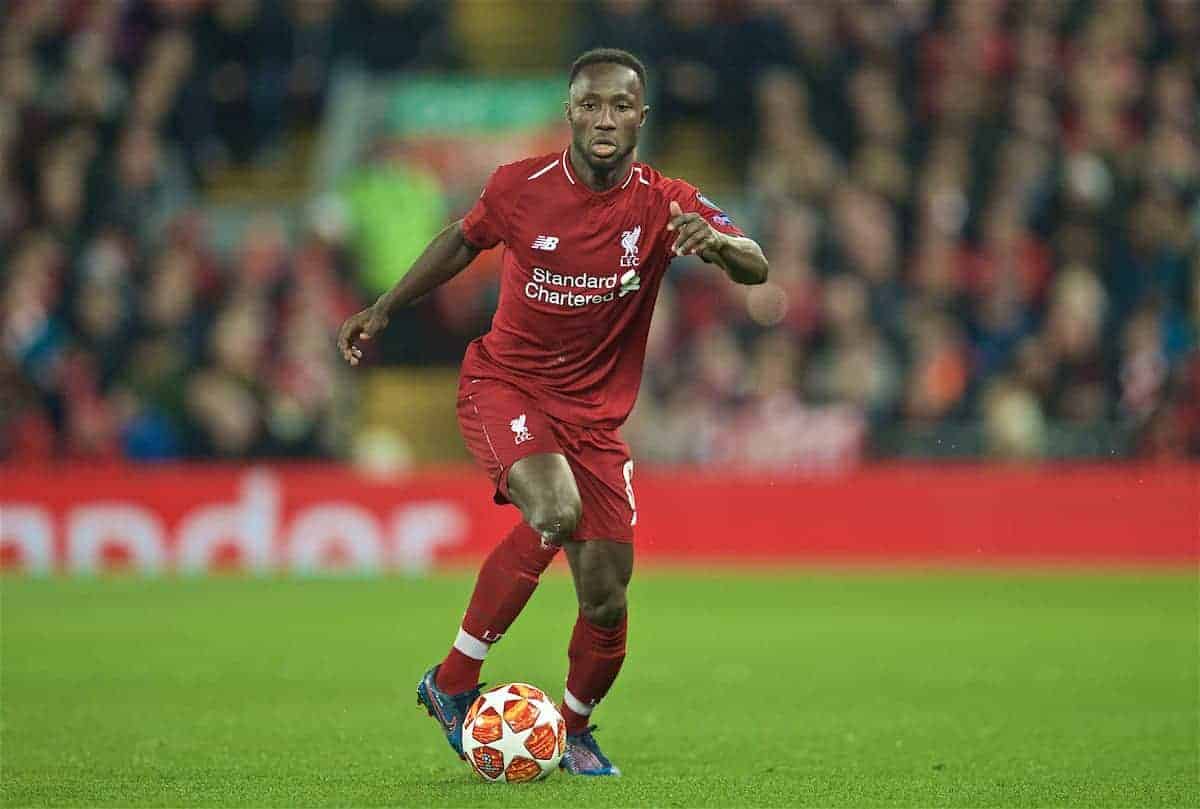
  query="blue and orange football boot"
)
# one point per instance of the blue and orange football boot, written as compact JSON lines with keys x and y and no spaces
{"x":450,"y":710}
{"x":583,"y":756}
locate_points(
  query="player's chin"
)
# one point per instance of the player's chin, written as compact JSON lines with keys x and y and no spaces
{"x":606,"y":161}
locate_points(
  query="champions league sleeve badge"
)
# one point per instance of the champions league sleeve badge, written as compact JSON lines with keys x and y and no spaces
{"x":720,"y":217}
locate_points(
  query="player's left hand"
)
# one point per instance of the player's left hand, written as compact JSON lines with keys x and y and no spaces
{"x":696,"y":235}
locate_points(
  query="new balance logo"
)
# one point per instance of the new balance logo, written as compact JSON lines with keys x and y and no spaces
{"x":519,"y":429}
{"x":545,"y":243}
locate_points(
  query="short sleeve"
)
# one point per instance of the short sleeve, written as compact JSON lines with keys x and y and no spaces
{"x":692,"y":201}
{"x":483,"y":226}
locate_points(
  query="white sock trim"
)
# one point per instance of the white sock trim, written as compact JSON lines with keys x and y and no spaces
{"x":577,"y":705}
{"x":470,"y":645}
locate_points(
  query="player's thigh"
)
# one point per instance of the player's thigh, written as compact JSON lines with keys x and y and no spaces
{"x":502,"y":426}
{"x":601,"y":569}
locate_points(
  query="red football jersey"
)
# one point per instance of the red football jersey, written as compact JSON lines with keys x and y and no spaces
{"x":581,"y":271}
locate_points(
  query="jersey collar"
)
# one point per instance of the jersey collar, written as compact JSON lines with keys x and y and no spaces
{"x":565,"y":161}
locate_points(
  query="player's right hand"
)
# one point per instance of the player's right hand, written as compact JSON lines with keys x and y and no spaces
{"x":363,"y":325}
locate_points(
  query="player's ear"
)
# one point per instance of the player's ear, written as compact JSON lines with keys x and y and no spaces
{"x":567,"y":110}
{"x":645,"y":111}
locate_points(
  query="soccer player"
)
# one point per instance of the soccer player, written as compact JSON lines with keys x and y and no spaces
{"x":588,"y":234}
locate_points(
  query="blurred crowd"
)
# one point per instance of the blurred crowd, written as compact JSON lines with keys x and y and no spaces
{"x":125,"y":334}
{"x":977,"y":212}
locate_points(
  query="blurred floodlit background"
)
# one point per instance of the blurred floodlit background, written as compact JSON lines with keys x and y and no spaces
{"x":982,"y":221}
{"x":976,"y":353}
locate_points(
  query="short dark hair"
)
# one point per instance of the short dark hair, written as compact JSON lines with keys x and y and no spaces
{"x":609,"y":56}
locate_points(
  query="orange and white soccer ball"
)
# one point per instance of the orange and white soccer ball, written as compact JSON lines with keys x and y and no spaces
{"x":514,"y":733}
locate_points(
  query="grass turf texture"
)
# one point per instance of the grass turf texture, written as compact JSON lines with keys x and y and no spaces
{"x":778,"y":689}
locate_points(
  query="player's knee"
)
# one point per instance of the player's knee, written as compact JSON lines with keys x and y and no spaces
{"x":606,"y":611}
{"x":557,"y":518}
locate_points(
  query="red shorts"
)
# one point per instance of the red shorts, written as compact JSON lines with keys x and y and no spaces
{"x":501,"y":424}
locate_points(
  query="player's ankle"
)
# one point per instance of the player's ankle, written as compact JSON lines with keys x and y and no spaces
{"x":457,"y":673}
{"x":576,"y":723}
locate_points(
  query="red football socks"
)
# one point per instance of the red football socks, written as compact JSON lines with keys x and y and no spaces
{"x":458,"y":672}
{"x":596,"y":654}
{"x":506,"y":581}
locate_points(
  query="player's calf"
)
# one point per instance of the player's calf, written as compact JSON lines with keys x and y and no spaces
{"x":606,"y":610}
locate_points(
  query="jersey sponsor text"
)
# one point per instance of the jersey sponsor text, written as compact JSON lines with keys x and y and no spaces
{"x":539,"y":288}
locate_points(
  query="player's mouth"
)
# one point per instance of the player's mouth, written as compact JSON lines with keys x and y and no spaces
{"x":604,"y":148}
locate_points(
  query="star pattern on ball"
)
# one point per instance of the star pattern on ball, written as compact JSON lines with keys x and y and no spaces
{"x":513,"y":733}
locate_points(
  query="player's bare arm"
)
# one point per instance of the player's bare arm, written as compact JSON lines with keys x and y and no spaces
{"x":740,"y":257}
{"x":446,"y":256}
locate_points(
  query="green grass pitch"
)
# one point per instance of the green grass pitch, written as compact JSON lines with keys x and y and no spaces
{"x":773,"y":689}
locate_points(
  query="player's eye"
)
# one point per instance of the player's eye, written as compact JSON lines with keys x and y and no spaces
{"x":587,"y":105}
{"x":624,"y":107}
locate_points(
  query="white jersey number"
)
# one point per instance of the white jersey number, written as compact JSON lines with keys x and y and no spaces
{"x":628,"y":471}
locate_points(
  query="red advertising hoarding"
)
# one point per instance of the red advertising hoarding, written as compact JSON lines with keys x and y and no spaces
{"x":326,"y":518}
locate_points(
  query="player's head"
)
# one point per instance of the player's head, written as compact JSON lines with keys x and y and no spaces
{"x":606,"y":105}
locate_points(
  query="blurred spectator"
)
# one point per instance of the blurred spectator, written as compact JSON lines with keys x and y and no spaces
{"x":242,"y":48}
{"x":628,"y":24}
{"x":1014,"y":425}
{"x":395,"y":208}
{"x":391,"y":35}
{"x":148,"y":187}
{"x":1073,"y":340}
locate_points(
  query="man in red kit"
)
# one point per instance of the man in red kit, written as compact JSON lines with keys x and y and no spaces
{"x":588,"y":234}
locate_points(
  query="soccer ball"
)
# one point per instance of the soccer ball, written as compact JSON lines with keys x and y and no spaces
{"x":514,"y":733}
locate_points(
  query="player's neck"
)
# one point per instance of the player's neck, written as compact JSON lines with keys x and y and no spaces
{"x":594,"y":180}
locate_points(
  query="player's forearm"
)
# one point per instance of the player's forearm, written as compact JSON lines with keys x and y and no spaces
{"x":741,"y":259}
{"x":445,"y":257}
